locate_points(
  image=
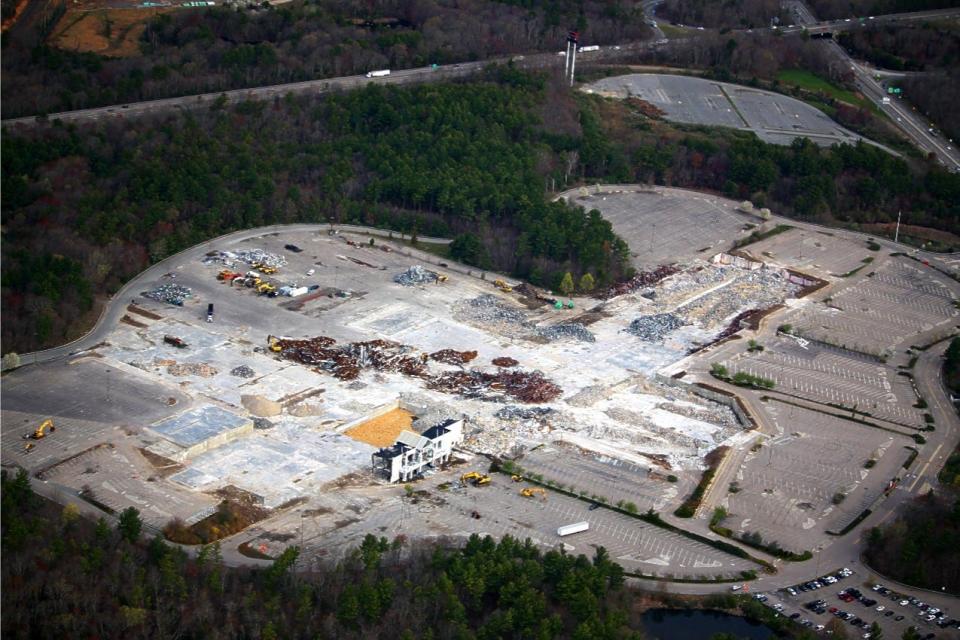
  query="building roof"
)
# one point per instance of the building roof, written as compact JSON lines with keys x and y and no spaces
{"x":413,"y":440}
{"x":439,"y":429}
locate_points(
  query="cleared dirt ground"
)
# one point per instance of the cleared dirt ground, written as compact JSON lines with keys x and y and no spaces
{"x":108,"y":32}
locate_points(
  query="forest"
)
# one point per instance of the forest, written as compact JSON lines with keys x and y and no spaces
{"x":205,"y":50}
{"x":742,"y":14}
{"x":920,"y":547}
{"x":67,"y":577}
{"x":86,"y":207}
{"x":832,"y":10}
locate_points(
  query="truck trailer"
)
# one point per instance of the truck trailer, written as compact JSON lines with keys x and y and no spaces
{"x":378,"y":74}
{"x":570,"y":529}
{"x":592,"y":47}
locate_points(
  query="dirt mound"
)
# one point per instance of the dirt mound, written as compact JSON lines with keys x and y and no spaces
{"x":260,"y":406}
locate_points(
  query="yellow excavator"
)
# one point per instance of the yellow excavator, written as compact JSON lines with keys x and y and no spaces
{"x":503,"y":286}
{"x":265,"y":287}
{"x":441,"y":278}
{"x":41,"y":432}
{"x":529,"y":492}
{"x":475,"y":478}
{"x":263,"y":268}
{"x":516,"y":478}
{"x":274,"y":344}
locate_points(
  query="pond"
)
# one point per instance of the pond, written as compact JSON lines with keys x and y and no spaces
{"x":683,"y":624}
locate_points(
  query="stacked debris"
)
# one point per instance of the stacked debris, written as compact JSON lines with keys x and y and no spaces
{"x":513,"y":412}
{"x":654,"y":328}
{"x":757,"y":288}
{"x":642,"y":279}
{"x":488,"y":309}
{"x":346,"y":362}
{"x":416,"y":275}
{"x":568,"y":330}
{"x":201,"y":369}
{"x":504,"y":361}
{"x":243,"y":371}
{"x":530,"y":387}
{"x":250,"y":256}
{"x":262,"y":424}
{"x":450,"y":356}
{"x":174,"y":294}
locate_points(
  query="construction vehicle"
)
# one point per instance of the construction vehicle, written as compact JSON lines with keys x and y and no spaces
{"x":28,"y":447}
{"x":228,"y":276}
{"x":175,"y":342}
{"x":503,"y":286}
{"x":475,"y":478}
{"x":210,"y":312}
{"x":441,"y":278}
{"x":265,"y":268}
{"x":529,"y":492}
{"x":516,"y":478}
{"x":41,"y":432}
{"x":273,"y":343}
{"x":265,"y":287}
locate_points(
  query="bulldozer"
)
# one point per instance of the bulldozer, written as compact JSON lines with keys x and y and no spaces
{"x":475,"y":478}
{"x":265,"y":287}
{"x":41,"y":432}
{"x":529,"y":492}
{"x":503,"y":286}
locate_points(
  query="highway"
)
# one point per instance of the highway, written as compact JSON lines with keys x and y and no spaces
{"x":901,"y":113}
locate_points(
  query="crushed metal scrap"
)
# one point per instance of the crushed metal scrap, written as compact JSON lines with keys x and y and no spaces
{"x":451,"y":356}
{"x":346,"y":361}
{"x":642,"y":279}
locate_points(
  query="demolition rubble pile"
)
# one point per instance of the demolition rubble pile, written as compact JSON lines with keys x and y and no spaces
{"x":192,"y":369}
{"x":489,"y":311}
{"x":717,"y":414}
{"x":416,"y":275}
{"x":567,"y":330}
{"x":451,"y":356}
{"x":504,"y":361}
{"x":253,"y":257}
{"x":749,"y":289}
{"x":243,"y":371}
{"x":513,"y":412}
{"x":530,"y":387}
{"x":174,"y":294}
{"x":642,"y":279}
{"x":346,"y":362}
{"x":654,"y":328}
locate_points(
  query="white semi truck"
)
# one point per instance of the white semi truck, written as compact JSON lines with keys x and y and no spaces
{"x":571,"y":529}
{"x":378,"y":74}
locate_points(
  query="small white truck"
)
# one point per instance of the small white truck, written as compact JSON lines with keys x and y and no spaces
{"x":378,"y":74}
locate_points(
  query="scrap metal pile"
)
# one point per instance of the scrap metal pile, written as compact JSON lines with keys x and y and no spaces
{"x":257,"y":257}
{"x":488,"y":310}
{"x":654,"y":328}
{"x":504,"y":361}
{"x":243,"y":371}
{"x":348,"y":360}
{"x":642,"y":279}
{"x":530,"y":387}
{"x":450,"y":356}
{"x":174,"y":294}
{"x":416,"y":275}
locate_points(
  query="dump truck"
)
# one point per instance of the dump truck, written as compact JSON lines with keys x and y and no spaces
{"x":378,"y":74}
{"x":503,"y":286}
{"x":570,"y":529}
{"x":41,"y":431}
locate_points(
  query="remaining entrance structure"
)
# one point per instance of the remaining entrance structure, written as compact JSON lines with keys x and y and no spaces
{"x":411,"y":454}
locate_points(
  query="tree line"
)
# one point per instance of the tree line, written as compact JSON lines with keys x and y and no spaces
{"x":86,"y":207}
{"x":220,"y":48}
{"x":66,"y":577}
{"x":920,"y":547}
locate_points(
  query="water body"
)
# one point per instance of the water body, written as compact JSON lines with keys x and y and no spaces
{"x":680,"y":624}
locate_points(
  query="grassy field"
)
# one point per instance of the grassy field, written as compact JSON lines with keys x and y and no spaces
{"x":810,"y":82}
{"x":671,"y":31}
